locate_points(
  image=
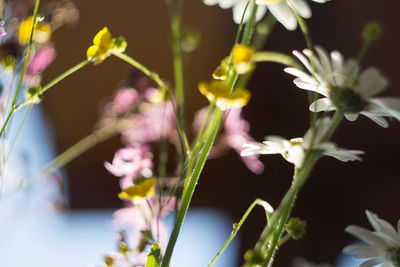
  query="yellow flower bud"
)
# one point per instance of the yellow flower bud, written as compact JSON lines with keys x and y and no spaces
{"x":41,"y":34}
{"x":242,"y":55}
{"x":218,"y":92}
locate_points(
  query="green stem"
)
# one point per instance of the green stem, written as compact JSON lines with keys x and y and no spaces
{"x":178,"y":65}
{"x":74,"y":151}
{"x":303,"y":26}
{"x":55,"y":81}
{"x":212,"y":131}
{"x":279,"y":218}
{"x":236,"y":228}
{"x":276,"y":57}
{"x":187,"y":197}
{"x":35,"y":10}
{"x":28,"y":57}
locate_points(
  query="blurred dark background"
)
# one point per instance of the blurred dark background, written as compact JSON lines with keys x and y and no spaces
{"x":337,"y":193}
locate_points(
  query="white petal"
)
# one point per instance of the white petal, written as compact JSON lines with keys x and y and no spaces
{"x":225,"y":4}
{"x":363,"y":251}
{"x":303,"y":60}
{"x":377,"y":119}
{"x":372,"y":262}
{"x":367,"y":236}
{"x":337,"y":67}
{"x":283,"y":14}
{"x":296,"y":155}
{"x":302,"y":7}
{"x":351,"y":116}
{"x":371,"y":82}
{"x":344,"y":154}
{"x":210,"y":2}
{"x":321,"y":1}
{"x":324,"y":58}
{"x":322,"y":104}
{"x":252,"y":148}
{"x":239,"y":8}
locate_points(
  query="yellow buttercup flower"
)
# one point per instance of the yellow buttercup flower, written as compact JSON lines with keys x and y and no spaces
{"x":242,"y":55}
{"x":103,"y":45}
{"x":218,"y":92}
{"x":41,"y":34}
{"x":143,"y":189}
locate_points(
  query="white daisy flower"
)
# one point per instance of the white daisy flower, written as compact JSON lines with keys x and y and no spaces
{"x":294,"y":150}
{"x":344,"y":86}
{"x":382,"y":245}
{"x":279,"y":8}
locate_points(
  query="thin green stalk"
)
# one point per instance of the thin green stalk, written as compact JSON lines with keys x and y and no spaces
{"x":271,"y":56}
{"x":303,"y":26}
{"x":74,"y":151}
{"x":10,"y":114}
{"x":178,"y":65}
{"x":236,"y":228}
{"x":28,"y":57}
{"x":55,"y":81}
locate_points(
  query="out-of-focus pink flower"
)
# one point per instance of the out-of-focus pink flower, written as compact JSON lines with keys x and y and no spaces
{"x":41,"y":60}
{"x":155,"y":120}
{"x":130,"y":163}
{"x":148,"y":216}
{"x":124,"y":99}
{"x":236,"y":133}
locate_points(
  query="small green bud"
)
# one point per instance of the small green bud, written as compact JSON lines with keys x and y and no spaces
{"x":34,"y":95}
{"x":120,"y":44}
{"x":372,"y":31}
{"x":296,"y":227}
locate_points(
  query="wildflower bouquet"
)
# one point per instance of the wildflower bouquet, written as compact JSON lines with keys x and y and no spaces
{"x":163,"y":156}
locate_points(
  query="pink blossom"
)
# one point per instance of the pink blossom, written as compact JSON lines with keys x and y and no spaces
{"x":124,"y":99}
{"x":236,"y":133}
{"x":147,"y":216}
{"x":129,"y":163}
{"x":41,"y":60}
{"x":155,"y":120}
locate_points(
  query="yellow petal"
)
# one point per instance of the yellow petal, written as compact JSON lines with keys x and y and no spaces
{"x":103,"y":39}
{"x":242,"y":55}
{"x":42,"y":31}
{"x":139,"y":191}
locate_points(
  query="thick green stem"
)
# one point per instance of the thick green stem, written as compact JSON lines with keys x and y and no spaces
{"x":210,"y":137}
{"x":211,"y":133}
{"x":271,"y":56}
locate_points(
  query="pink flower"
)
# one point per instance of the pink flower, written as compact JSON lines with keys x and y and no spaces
{"x":124,"y":99}
{"x":155,"y":120}
{"x":236,"y":133}
{"x":147,"y":216}
{"x":41,"y":60}
{"x":130,"y":163}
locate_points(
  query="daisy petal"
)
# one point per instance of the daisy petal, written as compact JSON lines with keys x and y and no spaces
{"x":302,"y":7}
{"x":322,"y":104}
{"x":283,"y":14}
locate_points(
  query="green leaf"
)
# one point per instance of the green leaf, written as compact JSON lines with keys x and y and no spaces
{"x":153,"y":258}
